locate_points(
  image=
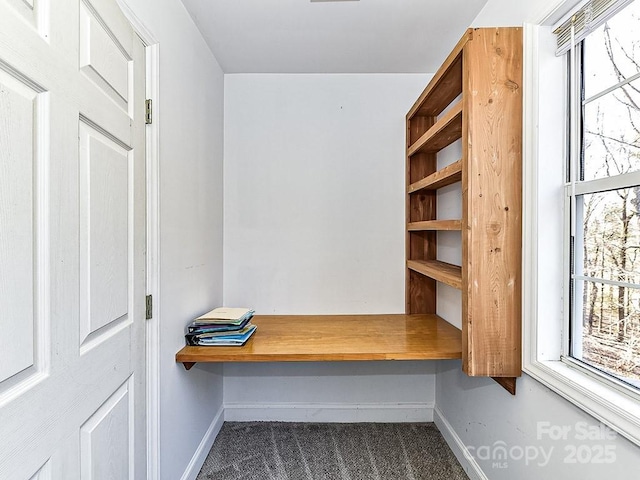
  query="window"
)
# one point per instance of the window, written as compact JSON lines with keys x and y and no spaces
{"x":581,"y":211}
{"x":603,"y":192}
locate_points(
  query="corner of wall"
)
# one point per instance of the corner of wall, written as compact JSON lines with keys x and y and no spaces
{"x":457,"y":446}
{"x":200,"y":455}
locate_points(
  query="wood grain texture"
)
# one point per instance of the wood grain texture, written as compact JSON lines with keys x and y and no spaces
{"x":440,"y":271}
{"x":492,"y":202}
{"x":423,"y":246}
{"x":421,"y":293}
{"x":422,"y":206}
{"x":307,"y":338}
{"x":435,"y":225}
{"x":444,"y":132}
{"x":446,"y":176}
{"x":445,"y":85}
{"x":467,"y":354}
{"x":417,"y":127}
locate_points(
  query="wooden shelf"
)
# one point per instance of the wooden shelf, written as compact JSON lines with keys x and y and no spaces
{"x":438,"y":225}
{"x":476,"y":96}
{"x":444,"y":132}
{"x":439,"y":271}
{"x":446,"y":176}
{"x":310,"y":338}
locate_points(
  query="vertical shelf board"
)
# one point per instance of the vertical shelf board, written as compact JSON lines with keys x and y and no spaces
{"x":420,"y":292}
{"x":492,"y":202}
{"x":422,"y":207}
{"x":421,"y":245}
{"x":417,"y":127}
{"x":467,"y":354}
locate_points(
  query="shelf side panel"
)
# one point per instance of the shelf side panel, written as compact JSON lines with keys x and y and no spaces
{"x":420,"y":293}
{"x":492,"y":324}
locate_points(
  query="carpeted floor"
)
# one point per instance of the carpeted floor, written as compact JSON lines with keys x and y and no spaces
{"x":327,"y":451}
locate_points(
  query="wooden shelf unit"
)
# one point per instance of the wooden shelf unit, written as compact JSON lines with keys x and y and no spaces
{"x":475,"y":96}
{"x":312,"y":338}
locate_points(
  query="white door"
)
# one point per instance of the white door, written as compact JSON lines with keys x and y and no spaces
{"x":72,"y":242}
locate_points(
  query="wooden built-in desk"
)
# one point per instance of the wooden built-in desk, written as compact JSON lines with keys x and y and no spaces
{"x":317,"y":338}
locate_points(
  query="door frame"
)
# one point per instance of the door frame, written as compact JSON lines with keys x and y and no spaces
{"x":152,"y":341}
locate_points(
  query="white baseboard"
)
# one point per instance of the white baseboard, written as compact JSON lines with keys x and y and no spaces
{"x":196,"y":462}
{"x":332,"y":412}
{"x":459,"y":449}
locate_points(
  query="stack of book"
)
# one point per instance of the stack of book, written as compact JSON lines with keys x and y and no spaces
{"x":221,"y":326}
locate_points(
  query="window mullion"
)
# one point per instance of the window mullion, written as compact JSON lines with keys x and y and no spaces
{"x":573,"y":167}
{"x":611,"y":88}
{"x":625,"y":180}
{"x":607,"y":282}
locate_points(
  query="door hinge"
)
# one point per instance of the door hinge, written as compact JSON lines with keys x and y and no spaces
{"x":148,"y":116}
{"x":149,"y":307}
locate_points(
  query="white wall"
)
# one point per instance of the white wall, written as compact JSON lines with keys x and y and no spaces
{"x":481,"y":415}
{"x":191,"y":147}
{"x":330,"y":391}
{"x":314,"y":203}
{"x":484,"y":417}
{"x":314,"y":222}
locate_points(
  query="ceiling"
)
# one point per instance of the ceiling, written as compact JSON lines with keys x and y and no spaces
{"x":357,"y":36}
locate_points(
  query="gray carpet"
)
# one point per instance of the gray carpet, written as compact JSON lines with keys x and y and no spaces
{"x":327,"y":451}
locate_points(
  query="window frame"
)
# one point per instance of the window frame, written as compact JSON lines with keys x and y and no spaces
{"x":583,"y":187}
{"x":545,"y":324}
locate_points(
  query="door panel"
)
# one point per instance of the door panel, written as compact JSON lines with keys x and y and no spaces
{"x":18,"y":275}
{"x":104,"y":227}
{"x":31,"y":11}
{"x":72,"y":242}
{"x":103,"y":58}
{"x":106,"y":438}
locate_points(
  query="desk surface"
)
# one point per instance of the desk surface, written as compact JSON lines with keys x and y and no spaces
{"x":300,"y":338}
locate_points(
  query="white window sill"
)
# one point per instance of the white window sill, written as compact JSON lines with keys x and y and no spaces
{"x":614,"y":408}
